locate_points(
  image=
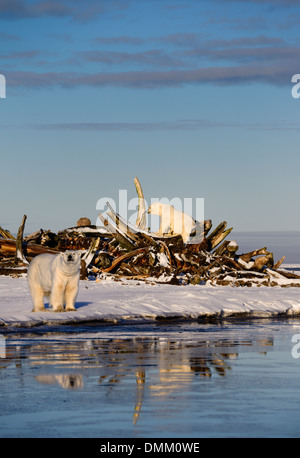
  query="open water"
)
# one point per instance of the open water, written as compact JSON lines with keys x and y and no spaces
{"x":192,"y":380}
{"x":280,"y":243}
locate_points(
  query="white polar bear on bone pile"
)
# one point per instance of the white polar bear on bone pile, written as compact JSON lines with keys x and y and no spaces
{"x":56,"y":276}
{"x":172,"y":221}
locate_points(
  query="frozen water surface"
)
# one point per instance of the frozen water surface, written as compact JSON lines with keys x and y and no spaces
{"x":229,"y":379}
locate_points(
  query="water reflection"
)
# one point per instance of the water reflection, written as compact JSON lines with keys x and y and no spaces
{"x":71,"y":382}
{"x":153,"y":366}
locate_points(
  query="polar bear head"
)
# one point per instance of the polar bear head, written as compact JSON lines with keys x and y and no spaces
{"x":70,"y":261}
{"x":157,"y":208}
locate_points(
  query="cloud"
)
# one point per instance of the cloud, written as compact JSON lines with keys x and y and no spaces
{"x":86,"y":10}
{"x":186,"y":124}
{"x":123,"y":40}
{"x":16,"y":9}
{"x":266,"y":2}
{"x":152,"y":58}
{"x":9,"y":37}
{"x":19,"y":9}
{"x":191,"y":40}
{"x":191,"y":49}
{"x":20,"y":55}
{"x":243,"y":54}
{"x":258,"y":40}
{"x":275,"y":74}
{"x":178,"y":125}
{"x":257,"y":58}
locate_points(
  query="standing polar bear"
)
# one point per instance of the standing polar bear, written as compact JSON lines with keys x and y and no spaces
{"x":56,"y":276}
{"x":172,"y":221}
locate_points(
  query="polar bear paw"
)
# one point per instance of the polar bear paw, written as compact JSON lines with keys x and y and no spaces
{"x":71,"y":309}
{"x":58,"y":309}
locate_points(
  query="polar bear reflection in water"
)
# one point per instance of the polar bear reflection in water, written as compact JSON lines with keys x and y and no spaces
{"x":71,"y":382}
{"x":158,"y":367}
{"x":56,"y":276}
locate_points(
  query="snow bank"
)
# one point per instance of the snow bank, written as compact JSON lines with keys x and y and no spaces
{"x":127,"y":301}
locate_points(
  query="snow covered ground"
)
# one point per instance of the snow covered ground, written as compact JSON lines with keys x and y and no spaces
{"x":127,"y":301}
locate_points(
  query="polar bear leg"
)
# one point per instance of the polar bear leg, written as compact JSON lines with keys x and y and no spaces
{"x":160,"y":230}
{"x":37,"y":295}
{"x":70,"y":295}
{"x":70,"y":299}
{"x":57,"y":297}
{"x":185,"y":236}
{"x":167,"y":221}
{"x":165,"y":227}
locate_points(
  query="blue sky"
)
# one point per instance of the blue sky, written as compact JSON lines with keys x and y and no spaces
{"x":193,"y":97}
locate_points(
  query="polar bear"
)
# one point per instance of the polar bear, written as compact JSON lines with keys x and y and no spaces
{"x":172,"y":221}
{"x":56,"y":276}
